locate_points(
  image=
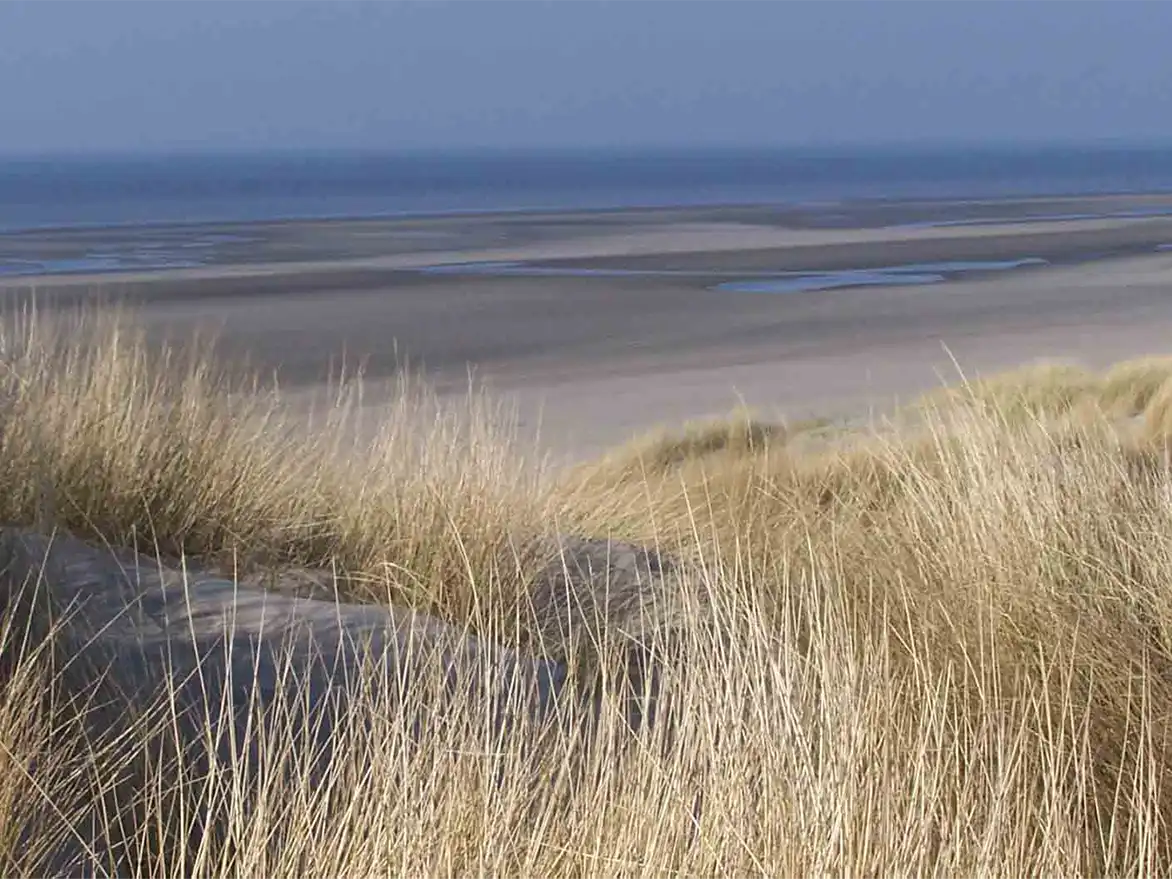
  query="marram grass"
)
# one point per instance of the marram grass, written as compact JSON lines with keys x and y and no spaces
{"x":937,"y":648}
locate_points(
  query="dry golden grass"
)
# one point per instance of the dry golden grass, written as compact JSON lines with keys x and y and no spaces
{"x":740,"y":434}
{"x":159,"y":449}
{"x":942,"y":649}
{"x":1128,"y":388}
{"x":1039,"y":389}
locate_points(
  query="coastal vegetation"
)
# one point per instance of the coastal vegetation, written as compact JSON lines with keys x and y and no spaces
{"x":939,"y":643}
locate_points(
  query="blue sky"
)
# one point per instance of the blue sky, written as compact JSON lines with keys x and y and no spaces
{"x":167,"y":74}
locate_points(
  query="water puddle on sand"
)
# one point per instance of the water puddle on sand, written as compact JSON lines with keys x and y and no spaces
{"x":808,"y":283}
{"x":131,"y":253}
{"x":18,"y":268}
{"x":97,"y":263}
{"x":961,"y":265}
{"x":523,"y":270}
{"x":752,"y":282}
{"x":888,"y":276}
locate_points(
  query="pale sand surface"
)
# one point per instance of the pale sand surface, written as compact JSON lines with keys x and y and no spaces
{"x":1092,"y":315}
{"x":591,"y":360}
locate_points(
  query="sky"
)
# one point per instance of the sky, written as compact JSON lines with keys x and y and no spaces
{"x":214,"y":75}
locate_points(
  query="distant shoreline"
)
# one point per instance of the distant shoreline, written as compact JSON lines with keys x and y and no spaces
{"x":125,"y":252}
{"x":796,"y":207}
{"x":1162,"y":195}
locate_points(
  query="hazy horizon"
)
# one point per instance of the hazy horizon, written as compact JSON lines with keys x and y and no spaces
{"x":132,"y":78}
{"x":818,"y":150}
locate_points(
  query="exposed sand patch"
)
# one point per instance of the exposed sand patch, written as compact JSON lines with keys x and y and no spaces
{"x":1124,"y":310}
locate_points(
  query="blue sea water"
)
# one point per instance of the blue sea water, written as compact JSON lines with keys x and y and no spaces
{"x":53,"y":192}
{"x":833,"y":281}
{"x":755,"y":282}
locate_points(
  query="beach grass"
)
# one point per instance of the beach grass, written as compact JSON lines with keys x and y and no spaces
{"x":938,"y":644}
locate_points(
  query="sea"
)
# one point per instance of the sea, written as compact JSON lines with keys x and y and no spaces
{"x":133,"y":190}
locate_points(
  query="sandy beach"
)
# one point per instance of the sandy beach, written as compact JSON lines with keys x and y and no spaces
{"x":620,"y":325}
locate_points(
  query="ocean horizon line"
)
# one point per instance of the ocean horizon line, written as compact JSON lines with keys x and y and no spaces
{"x":601,"y":150}
{"x":95,"y":191}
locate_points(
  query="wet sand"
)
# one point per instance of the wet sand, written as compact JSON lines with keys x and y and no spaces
{"x":591,"y":359}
